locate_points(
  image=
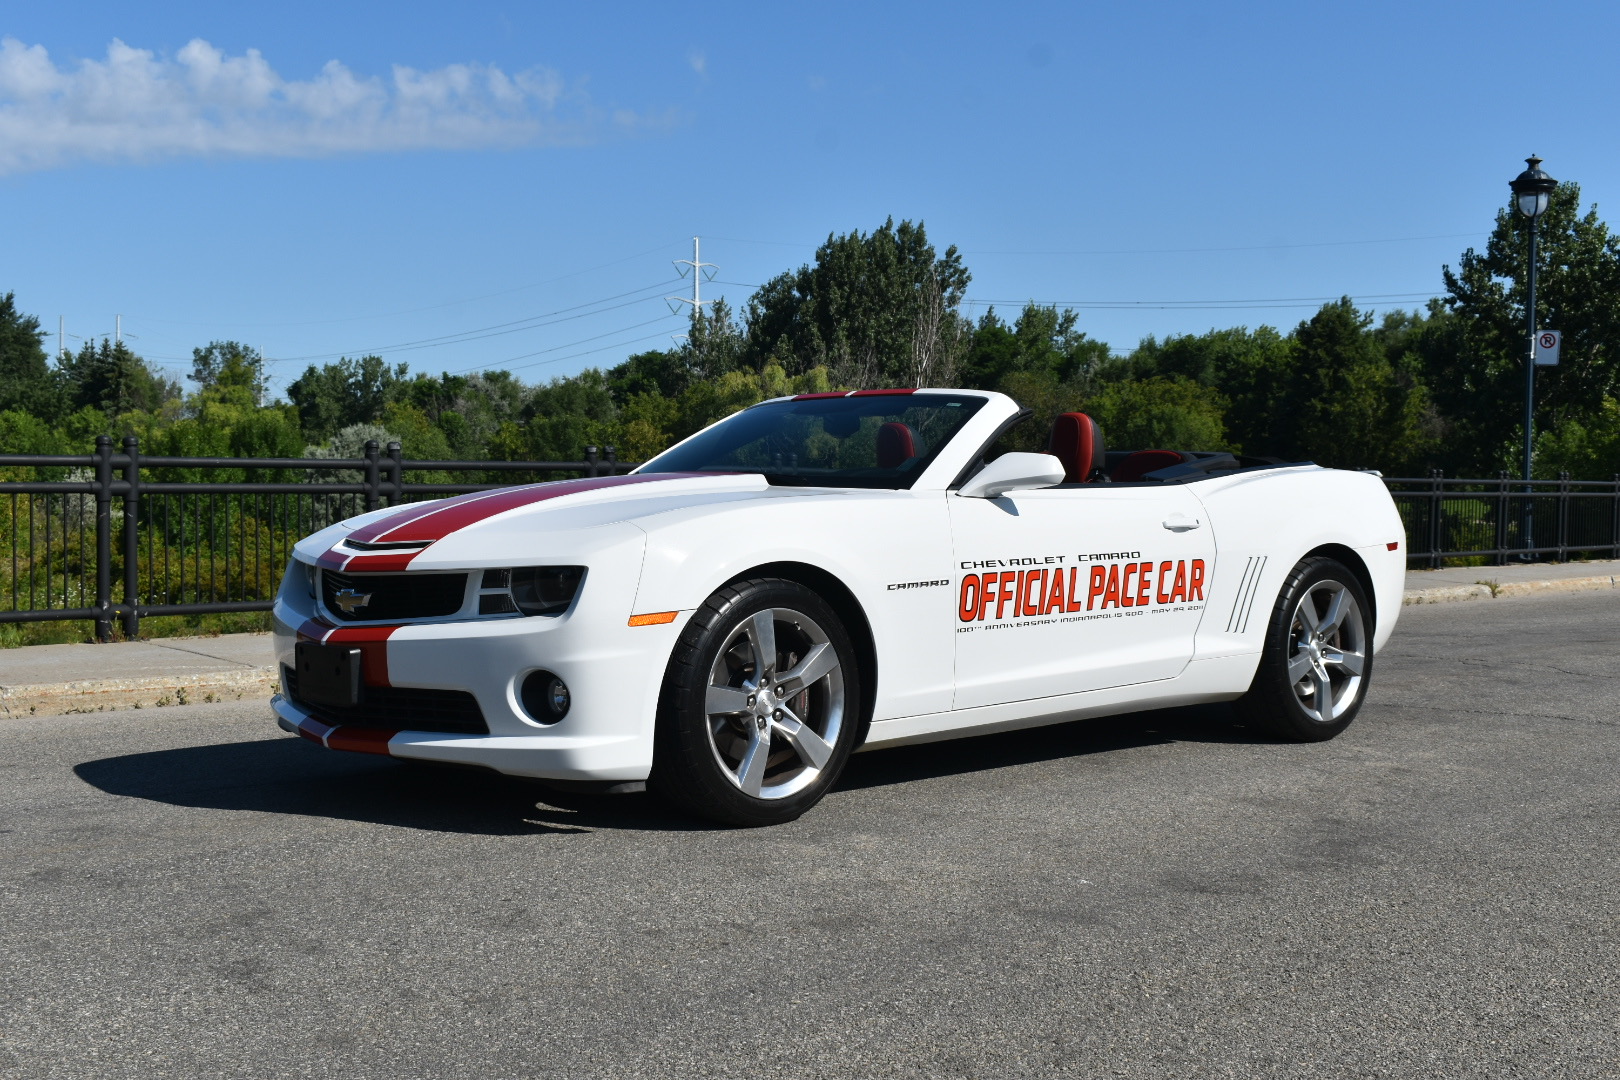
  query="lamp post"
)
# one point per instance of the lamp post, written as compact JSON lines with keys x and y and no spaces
{"x":1532,"y":192}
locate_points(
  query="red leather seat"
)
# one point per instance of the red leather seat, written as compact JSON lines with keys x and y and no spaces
{"x":1077,"y":441}
{"x":1143,"y":462}
{"x":896,"y":445}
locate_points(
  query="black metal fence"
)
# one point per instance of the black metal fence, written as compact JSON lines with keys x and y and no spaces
{"x":184,"y":541}
{"x":1507,"y":520}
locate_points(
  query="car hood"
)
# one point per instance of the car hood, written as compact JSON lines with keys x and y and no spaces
{"x":471,"y":529}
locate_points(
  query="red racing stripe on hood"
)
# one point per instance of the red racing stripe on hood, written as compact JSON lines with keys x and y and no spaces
{"x":434,"y":521}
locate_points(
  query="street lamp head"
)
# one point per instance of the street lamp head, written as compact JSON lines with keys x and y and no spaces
{"x":1532,"y":189}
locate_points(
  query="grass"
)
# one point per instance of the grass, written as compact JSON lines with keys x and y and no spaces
{"x":14,"y":635}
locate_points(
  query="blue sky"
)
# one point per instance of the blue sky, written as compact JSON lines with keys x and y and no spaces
{"x":263,"y":174}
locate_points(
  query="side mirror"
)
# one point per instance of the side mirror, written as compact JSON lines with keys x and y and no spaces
{"x":1013,"y":472}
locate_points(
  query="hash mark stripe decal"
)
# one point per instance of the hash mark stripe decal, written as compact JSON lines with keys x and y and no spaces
{"x":1237,"y":622}
{"x":1254,"y":590}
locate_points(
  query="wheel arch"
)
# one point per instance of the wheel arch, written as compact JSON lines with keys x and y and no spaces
{"x":848,"y":609}
{"x":1349,"y":557}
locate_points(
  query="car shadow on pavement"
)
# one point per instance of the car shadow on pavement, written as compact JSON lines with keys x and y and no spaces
{"x":1027,"y":746}
{"x":289,"y":776}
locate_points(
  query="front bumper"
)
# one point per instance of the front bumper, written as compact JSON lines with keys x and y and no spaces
{"x":551,"y":755}
{"x":614,"y":673}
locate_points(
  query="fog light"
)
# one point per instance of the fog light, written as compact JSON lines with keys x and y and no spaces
{"x":545,"y":697}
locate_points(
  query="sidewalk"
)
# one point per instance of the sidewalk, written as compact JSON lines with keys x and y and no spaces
{"x":1490,"y":582}
{"x":49,"y":680}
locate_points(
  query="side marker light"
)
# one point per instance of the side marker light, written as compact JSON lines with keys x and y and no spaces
{"x":657,"y":618}
{"x":1393,"y":545}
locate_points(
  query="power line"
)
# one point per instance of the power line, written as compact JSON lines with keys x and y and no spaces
{"x":588,"y":352}
{"x":1245,"y":247}
{"x":566,"y":345}
{"x":428,"y":307}
{"x":1373,"y":300}
{"x":1151,"y":251}
{"x":531,"y":322}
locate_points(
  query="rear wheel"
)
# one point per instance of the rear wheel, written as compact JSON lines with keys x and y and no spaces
{"x":1317,"y":659}
{"x":758,"y":714}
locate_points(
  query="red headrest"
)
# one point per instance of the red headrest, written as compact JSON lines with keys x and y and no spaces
{"x":895,"y":445}
{"x":1143,"y":462}
{"x":1077,"y":442}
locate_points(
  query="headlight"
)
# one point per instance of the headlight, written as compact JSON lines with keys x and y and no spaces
{"x":309,"y":578}
{"x":529,"y":590}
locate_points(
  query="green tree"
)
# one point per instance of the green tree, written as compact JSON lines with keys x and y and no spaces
{"x":26,"y":381}
{"x":1161,"y":412}
{"x":1475,"y":364}
{"x":339,"y":395}
{"x":1347,"y":405}
{"x":111,"y":378}
{"x":225,"y":366}
{"x":878,"y":309}
{"x":1250,"y":368}
{"x":1043,"y":341}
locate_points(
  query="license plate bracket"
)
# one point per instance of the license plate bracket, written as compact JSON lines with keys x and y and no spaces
{"x":328,"y":674}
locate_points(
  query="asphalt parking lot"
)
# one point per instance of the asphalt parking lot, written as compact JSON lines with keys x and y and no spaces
{"x":186,"y":892}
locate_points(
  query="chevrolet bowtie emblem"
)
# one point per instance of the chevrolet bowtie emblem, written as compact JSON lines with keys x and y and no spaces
{"x":348,"y":600}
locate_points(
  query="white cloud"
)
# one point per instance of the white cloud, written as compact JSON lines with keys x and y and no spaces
{"x":137,"y":106}
{"x":699,"y":62}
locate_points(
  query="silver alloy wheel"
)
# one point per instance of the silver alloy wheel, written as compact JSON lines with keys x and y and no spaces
{"x":1328,"y":651}
{"x":775,"y":703}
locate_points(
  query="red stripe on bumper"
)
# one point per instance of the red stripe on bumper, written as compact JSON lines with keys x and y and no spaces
{"x":373,"y":643}
{"x":313,"y":730}
{"x":360,"y":740}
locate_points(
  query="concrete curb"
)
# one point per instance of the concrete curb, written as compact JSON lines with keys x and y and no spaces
{"x":100,"y":695}
{"x":1449,"y":593}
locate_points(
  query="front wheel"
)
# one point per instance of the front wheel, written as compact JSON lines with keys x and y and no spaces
{"x":1317,"y":659}
{"x":760,"y":705}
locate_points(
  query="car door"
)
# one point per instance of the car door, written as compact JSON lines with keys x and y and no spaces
{"x":1074,"y":588}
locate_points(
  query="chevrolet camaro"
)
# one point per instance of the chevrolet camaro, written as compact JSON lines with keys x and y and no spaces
{"x":824,"y":573}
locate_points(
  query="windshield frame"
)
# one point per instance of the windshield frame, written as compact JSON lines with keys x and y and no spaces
{"x":860,"y":403}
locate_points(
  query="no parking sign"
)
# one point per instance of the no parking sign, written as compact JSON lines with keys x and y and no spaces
{"x":1547,"y":343}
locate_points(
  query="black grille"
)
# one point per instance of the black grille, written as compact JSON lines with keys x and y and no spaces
{"x":394,"y":597}
{"x":399,"y":708}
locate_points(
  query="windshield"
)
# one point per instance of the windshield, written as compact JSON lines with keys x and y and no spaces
{"x":877,"y":440}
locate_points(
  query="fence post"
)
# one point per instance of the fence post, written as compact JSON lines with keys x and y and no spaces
{"x":612,"y":460}
{"x":1615,"y":532}
{"x":590,"y":460}
{"x":103,"y":537}
{"x":1563,"y":516}
{"x":397,"y":469}
{"x":132,"y":538}
{"x":1436,"y":509}
{"x":1501,"y":516}
{"x":373,"y":477}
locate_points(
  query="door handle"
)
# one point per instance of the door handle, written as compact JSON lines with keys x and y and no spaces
{"x":1181,"y":523}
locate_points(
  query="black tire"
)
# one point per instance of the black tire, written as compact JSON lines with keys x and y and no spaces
{"x":705,"y":761}
{"x":1288,"y":685}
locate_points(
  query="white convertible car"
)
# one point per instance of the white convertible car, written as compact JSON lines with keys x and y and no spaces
{"x":827,"y":572}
